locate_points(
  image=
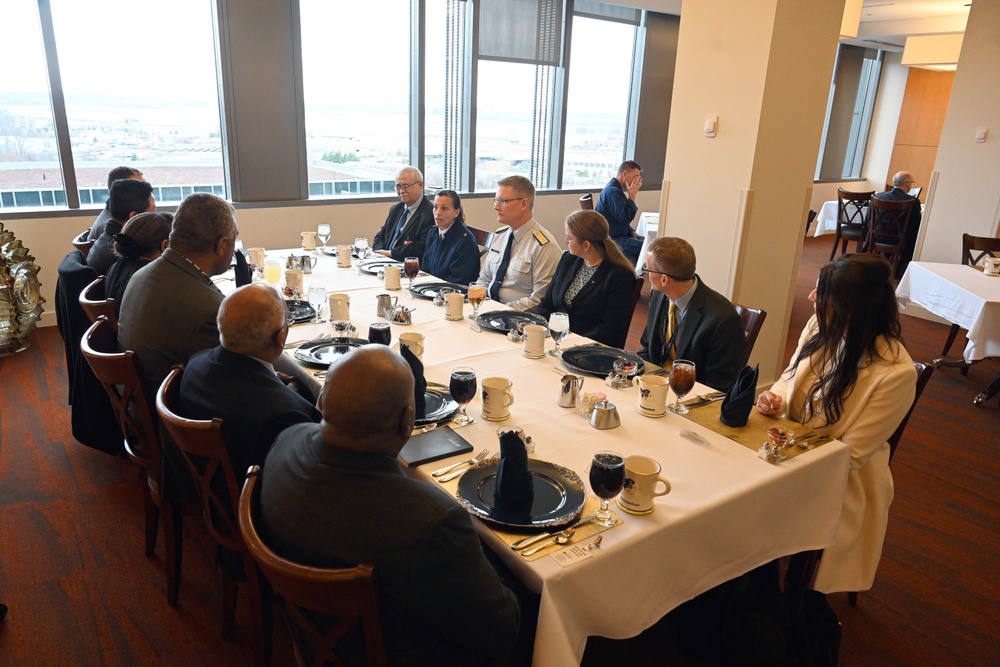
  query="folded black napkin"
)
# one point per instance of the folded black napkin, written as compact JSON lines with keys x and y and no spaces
{"x":419,"y":383}
{"x":515,"y":489}
{"x":242,"y":271}
{"x":739,"y":400}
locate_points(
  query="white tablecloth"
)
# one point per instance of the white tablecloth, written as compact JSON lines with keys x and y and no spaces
{"x":826,"y":220}
{"x":648,"y":228}
{"x":960,"y":294}
{"x":727,"y":512}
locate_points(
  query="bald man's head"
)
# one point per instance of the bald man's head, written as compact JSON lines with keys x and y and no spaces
{"x":367,"y":401}
{"x":252,"y":320}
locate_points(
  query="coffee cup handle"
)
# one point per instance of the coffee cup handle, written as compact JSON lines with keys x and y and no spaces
{"x":666,"y":484}
{"x":510,"y":396}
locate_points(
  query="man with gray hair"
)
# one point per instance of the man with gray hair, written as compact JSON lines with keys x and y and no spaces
{"x":169,"y":307}
{"x":405,"y":229}
{"x":236,"y":381}
{"x":902,"y":184}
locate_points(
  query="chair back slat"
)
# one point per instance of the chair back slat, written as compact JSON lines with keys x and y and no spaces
{"x":83,"y":243}
{"x":887,"y":227}
{"x":975,"y":248}
{"x":95,"y":303}
{"x":345,"y":593}
{"x":924,"y":372}
{"x":121,"y":375}
{"x":587,"y":202}
{"x":483,"y":238}
{"x":753,"y":320}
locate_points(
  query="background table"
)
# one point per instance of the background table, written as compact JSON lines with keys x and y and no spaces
{"x":826,"y":219}
{"x":648,"y":229}
{"x":728,"y":511}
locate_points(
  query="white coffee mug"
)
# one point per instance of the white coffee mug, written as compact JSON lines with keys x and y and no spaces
{"x":308,"y":240}
{"x":340,"y":306}
{"x":653,"y":395}
{"x":991,"y":266}
{"x":642,"y":476}
{"x":293,"y":279}
{"x":256,"y":256}
{"x":413,"y":341}
{"x":454,"y":303}
{"x":343,"y":256}
{"x":392,"y":277}
{"x":497,"y":398}
{"x":534,"y":341}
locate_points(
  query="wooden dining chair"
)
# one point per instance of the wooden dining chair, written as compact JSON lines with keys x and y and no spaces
{"x":887,"y":225}
{"x":204,"y":448}
{"x":83,"y":243}
{"x":809,"y":220}
{"x":95,"y":304}
{"x":122,"y":375}
{"x":852,"y":219}
{"x":924,"y":372}
{"x":483,"y":238}
{"x":587,"y":202}
{"x":753,"y":320}
{"x":974,"y":249}
{"x":345,"y":594}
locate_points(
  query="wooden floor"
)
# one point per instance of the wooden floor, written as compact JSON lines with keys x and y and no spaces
{"x":81,"y":593}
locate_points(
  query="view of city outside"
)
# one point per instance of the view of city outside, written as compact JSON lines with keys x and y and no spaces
{"x":141,"y":90}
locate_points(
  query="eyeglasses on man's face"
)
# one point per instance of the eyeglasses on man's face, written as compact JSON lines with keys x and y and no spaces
{"x":646,"y":270}
{"x":503,"y":202}
{"x":406,"y":186}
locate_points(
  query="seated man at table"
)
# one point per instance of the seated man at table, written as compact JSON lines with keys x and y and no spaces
{"x":405,"y":229}
{"x":617,"y":205}
{"x":688,"y":319}
{"x":128,"y":197}
{"x":236,"y":380}
{"x":334,"y":495}
{"x":901,"y":183}
{"x":115,"y":174}
{"x":523,"y":256}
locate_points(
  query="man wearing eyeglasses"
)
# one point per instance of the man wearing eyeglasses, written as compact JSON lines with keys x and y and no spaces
{"x":688,"y":319}
{"x":523,"y":256}
{"x":902,"y":185}
{"x":406,"y":226}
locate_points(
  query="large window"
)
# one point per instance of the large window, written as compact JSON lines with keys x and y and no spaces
{"x":600,"y":78}
{"x":849,"y":112}
{"x":356,"y":81}
{"x":29,"y":160}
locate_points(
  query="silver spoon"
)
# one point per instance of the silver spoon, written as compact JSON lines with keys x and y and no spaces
{"x":559,"y":538}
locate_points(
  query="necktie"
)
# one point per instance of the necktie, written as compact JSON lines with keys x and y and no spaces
{"x":399,"y":226}
{"x":502,"y":269}
{"x":670,"y":331}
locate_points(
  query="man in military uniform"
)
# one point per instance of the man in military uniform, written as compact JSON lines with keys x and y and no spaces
{"x":523,"y":256}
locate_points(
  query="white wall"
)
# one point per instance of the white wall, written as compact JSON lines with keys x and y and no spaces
{"x":48,"y":235}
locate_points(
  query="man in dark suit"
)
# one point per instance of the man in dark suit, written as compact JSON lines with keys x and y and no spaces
{"x":333,"y":495}
{"x":405,"y":229}
{"x":704,"y":327}
{"x":115,"y":174}
{"x":902,"y":182}
{"x":128,"y":198}
{"x":236,"y":381}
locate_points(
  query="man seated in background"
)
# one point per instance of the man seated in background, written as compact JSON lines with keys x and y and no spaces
{"x":405,"y":229}
{"x":334,"y":495}
{"x":236,"y":380}
{"x":902,"y":182}
{"x":523,"y":256}
{"x":128,"y":198}
{"x":617,"y":205}
{"x":115,"y":174}
{"x":688,"y":319}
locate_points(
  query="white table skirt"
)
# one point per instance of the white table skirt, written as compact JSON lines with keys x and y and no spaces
{"x":826,"y":220}
{"x":960,"y":294}
{"x":727,"y":512}
{"x":648,"y":229}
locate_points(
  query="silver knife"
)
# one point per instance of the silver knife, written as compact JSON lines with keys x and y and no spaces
{"x":528,"y":541}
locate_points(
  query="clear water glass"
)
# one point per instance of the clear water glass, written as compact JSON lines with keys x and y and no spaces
{"x":559,"y":329}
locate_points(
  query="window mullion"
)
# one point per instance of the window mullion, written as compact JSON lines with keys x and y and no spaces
{"x":58,"y":100}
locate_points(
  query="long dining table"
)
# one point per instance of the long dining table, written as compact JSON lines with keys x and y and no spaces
{"x":727,"y":512}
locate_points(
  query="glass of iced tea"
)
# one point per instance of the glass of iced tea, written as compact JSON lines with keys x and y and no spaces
{"x":681,"y":382}
{"x":477,"y":294}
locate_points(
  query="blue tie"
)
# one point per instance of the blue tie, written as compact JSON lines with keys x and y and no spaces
{"x":399,"y":227}
{"x":502,"y":269}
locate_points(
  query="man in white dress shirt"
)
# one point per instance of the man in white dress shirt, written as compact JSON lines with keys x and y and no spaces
{"x":523,"y":256}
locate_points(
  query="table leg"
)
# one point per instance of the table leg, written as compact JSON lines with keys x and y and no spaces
{"x":990,"y":392}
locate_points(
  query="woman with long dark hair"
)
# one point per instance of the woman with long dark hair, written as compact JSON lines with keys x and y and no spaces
{"x":450,"y":250}
{"x":593,"y":282}
{"x":851,"y":378}
{"x":141,"y":240}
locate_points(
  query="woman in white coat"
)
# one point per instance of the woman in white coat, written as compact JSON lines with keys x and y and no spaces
{"x":851,"y":378}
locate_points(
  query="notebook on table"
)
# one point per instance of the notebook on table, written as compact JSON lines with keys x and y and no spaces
{"x":440,"y":443}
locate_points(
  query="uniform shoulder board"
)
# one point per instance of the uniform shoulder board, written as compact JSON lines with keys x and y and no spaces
{"x":501,"y":229}
{"x":540,"y":236}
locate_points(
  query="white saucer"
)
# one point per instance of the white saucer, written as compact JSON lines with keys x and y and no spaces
{"x":651,"y":416}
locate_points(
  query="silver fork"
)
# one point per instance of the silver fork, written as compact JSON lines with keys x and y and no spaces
{"x":468,"y":462}
{"x":459,"y":473}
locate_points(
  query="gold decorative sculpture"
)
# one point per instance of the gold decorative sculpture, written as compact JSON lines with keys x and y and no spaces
{"x":20,"y":297}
